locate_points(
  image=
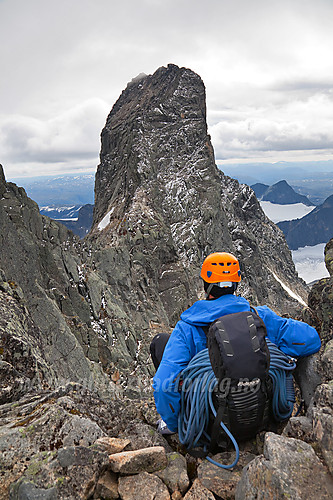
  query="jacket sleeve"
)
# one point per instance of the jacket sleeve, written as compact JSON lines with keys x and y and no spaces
{"x":176,"y":356}
{"x":293,"y":337}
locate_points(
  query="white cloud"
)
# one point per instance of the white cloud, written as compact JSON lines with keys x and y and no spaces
{"x":72,"y":136}
{"x":295,"y":125}
{"x":267,"y":68}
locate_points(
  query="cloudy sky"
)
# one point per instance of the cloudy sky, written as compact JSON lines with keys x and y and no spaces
{"x":267,"y":67}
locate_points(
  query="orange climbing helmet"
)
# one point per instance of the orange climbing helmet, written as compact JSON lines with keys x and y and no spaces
{"x":220,"y":267}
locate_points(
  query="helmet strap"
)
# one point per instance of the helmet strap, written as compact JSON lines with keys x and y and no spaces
{"x":209,"y":289}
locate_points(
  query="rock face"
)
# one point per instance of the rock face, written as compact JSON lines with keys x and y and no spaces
{"x":54,"y":307}
{"x":160,"y":198}
{"x":282,"y":472}
{"x":49,"y":318}
{"x":315,"y":227}
{"x":321,"y":298}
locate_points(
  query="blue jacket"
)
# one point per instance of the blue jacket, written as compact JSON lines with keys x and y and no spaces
{"x":188,"y":338}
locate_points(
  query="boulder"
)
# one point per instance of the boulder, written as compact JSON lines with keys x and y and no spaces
{"x":107,"y":487}
{"x":199,"y":492}
{"x":111,"y":445}
{"x":289,"y":468}
{"x":308,"y":375}
{"x":329,"y":257}
{"x":299,"y":428}
{"x":175,"y":473}
{"x":143,"y":486}
{"x":142,"y":435}
{"x":321,"y":299}
{"x":133,"y":462}
{"x":72,"y":472}
{"x":327,"y":361}
{"x":223,"y":482}
{"x":27,"y":490}
{"x":321,"y":413}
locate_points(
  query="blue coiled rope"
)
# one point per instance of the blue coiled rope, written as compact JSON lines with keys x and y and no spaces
{"x":198,"y":383}
{"x":280,"y":371}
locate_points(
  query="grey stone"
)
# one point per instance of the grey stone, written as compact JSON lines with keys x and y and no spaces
{"x":321,"y":413}
{"x":199,"y":492}
{"x":329,"y":257}
{"x":308,"y":376}
{"x":223,"y":482}
{"x":107,"y":487}
{"x":299,"y":428}
{"x":321,"y":300}
{"x":143,"y":486}
{"x":79,"y":455}
{"x":289,"y":468}
{"x":327,"y":361}
{"x":142,"y":435}
{"x":80,"y":431}
{"x":25,"y":490}
{"x":175,"y":474}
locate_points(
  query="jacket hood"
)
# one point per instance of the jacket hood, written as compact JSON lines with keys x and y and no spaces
{"x":203,"y":312}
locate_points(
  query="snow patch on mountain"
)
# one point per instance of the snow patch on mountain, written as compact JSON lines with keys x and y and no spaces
{"x":288,"y":290}
{"x":106,"y":220}
{"x":278,"y":213}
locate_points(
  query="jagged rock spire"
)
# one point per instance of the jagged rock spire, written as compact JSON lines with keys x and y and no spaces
{"x":159,"y":195}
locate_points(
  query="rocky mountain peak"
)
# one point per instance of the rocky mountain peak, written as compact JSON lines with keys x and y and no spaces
{"x":160,"y":198}
{"x":171,"y":97}
{"x":280,"y":192}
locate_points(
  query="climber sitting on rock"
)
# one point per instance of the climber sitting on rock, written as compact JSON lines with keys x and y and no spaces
{"x":171,"y":354}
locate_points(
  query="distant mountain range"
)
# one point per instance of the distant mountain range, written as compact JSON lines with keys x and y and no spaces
{"x":315,"y":227}
{"x":61,"y":213}
{"x":71,"y":197}
{"x":59,"y":191}
{"x":280,"y":193}
{"x":67,"y":198}
{"x":311,"y":229}
{"x":312,"y":179}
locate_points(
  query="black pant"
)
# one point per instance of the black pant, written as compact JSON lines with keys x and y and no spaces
{"x":157,"y":347}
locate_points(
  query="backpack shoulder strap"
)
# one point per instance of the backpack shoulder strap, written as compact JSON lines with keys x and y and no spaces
{"x":206,"y":328}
